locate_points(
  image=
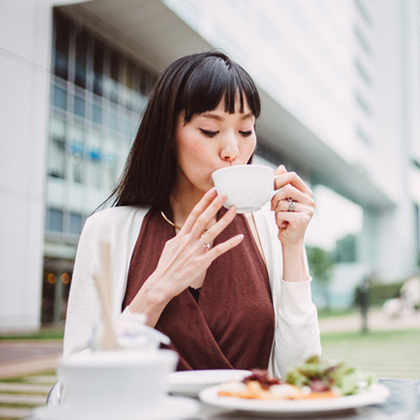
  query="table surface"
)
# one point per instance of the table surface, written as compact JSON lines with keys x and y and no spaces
{"x":402,"y":404}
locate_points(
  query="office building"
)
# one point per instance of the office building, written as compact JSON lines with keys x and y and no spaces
{"x":340,"y":86}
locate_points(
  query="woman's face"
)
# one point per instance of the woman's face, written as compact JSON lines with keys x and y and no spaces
{"x":210,"y":141}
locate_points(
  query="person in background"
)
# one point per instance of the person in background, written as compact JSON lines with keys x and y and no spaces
{"x":232,"y":291}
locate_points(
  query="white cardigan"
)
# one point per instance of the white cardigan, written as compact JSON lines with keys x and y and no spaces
{"x":296,"y":325}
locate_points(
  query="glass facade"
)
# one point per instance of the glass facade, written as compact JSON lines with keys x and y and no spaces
{"x":97,"y":97}
{"x":98,"y":94}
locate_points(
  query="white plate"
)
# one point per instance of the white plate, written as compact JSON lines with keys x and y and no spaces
{"x":191,"y":382}
{"x":375,"y":394}
{"x":173,"y":408}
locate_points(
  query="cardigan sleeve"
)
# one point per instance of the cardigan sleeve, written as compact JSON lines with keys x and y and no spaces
{"x":296,"y":335}
{"x":83,"y":304}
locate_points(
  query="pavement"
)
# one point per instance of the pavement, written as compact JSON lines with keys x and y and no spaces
{"x":25,"y":357}
{"x":377,"y":320}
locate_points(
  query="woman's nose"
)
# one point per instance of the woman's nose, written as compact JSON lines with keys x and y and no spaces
{"x":229,"y":150}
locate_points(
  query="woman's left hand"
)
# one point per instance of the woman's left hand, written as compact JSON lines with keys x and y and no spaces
{"x":293,"y":206}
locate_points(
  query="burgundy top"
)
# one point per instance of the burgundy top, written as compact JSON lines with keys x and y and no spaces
{"x":232,"y":323}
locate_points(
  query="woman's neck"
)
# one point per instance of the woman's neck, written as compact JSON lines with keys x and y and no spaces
{"x":181,"y":208}
{"x":182,"y":202}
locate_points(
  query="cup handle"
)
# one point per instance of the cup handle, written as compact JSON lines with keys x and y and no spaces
{"x":274,"y":192}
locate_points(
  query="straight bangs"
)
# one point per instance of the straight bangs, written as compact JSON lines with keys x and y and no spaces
{"x":216,"y":79}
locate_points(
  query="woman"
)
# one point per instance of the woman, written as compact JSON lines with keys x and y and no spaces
{"x":231,"y":291}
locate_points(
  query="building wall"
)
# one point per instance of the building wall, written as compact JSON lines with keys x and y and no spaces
{"x":25,"y":48}
{"x":24,"y":85}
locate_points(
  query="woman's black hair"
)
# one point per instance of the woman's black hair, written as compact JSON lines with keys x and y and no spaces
{"x":192,"y":84}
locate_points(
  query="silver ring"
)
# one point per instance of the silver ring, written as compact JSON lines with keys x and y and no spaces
{"x":291,"y":205}
{"x":207,"y":246}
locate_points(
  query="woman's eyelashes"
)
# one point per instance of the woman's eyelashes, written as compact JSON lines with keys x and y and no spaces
{"x":210,"y":133}
{"x":246,"y":133}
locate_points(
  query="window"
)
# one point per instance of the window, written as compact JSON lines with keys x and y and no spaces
{"x":97,"y":96}
{"x":128,"y":82}
{"x":76,"y":155}
{"x":55,"y":220}
{"x":81,"y":59}
{"x":60,"y":98}
{"x":75,"y":223}
{"x":62,"y":44}
{"x":94,"y":159}
{"x":56,"y":157}
{"x":98,"y":68}
{"x":109,"y":170}
{"x":115,"y":72}
{"x":96,"y":113}
{"x":113,"y":120}
{"x":79,"y":106}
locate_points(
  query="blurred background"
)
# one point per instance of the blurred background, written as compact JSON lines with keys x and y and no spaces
{"x":340,"y":88}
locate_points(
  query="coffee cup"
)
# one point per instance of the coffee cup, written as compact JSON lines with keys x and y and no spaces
{"x":247,"y":187}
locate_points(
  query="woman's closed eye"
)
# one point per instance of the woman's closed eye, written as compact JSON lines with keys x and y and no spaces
{"x":246,"y":133}
{"x":208,"y":133}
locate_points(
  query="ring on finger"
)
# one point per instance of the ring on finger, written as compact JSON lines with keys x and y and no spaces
{"x":292,"y":205}
{"x":207,"y":246}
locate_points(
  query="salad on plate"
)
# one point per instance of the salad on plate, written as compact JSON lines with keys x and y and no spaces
{"x":314,"y":379}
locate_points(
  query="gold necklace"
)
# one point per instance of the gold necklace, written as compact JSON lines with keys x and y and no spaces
{"x":171,"y":223}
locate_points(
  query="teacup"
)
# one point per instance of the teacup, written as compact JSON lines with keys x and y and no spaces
{"x":115,"y":384}
{"x":247,"y":187}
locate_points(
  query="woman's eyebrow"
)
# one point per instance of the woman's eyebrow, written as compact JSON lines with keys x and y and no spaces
{"x":212,"y":116}
{"x":221,"y":118}
{"x":246,"y":116}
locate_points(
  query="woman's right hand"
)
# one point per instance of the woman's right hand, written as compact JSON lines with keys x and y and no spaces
{"x":185,"y":258}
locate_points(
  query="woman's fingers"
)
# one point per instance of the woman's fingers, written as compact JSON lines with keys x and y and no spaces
{"x":199,"y":208}
{"x":220,"y":225}
{"x":292,"y":178}
{"x":203,"y":220}
{"x":291,"y":192}
{"x":224,"y":247}
{"x":301,"y":219}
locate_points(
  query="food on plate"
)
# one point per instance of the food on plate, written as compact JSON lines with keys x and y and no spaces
{"x":314,"y":379}
{"x":260,"y":386}
{"x":338,"y":377}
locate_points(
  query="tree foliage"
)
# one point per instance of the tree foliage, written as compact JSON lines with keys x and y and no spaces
{"x":345,"y":249}
{"x":321,"y":264}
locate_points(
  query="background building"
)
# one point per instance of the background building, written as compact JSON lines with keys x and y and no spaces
{"x":340,"y":85}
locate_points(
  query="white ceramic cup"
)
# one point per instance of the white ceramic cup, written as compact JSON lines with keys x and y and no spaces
{"x":247,"y":187}
{"x":115,"y":383}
